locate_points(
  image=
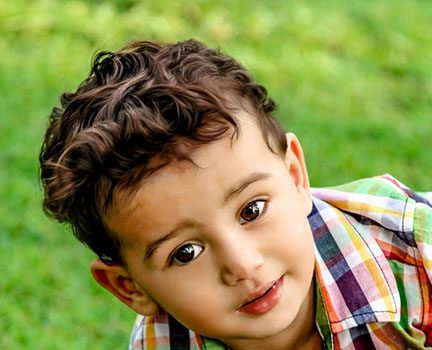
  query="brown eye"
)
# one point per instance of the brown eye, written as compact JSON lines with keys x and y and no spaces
{"x":186,"y":253}
{"x":252,"y":211}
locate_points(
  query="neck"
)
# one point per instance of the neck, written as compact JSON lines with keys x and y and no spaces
{"x":302,"y":334}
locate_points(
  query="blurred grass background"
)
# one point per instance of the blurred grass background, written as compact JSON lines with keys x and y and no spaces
{"x":352,"y":79}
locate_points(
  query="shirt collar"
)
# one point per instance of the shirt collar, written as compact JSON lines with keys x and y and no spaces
{"x":353,"y":277}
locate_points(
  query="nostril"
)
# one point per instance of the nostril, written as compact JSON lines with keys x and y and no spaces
{"x":241,"y":267}
{"x":232,"y":278}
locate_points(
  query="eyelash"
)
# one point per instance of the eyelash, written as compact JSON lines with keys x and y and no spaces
{"x":261,"y":212}
{"x":172,"y":259}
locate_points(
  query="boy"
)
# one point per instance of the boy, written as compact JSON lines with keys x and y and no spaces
{"x":168,"y":164}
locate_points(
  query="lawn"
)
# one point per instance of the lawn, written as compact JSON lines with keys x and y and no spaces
{"x":353,"y":79}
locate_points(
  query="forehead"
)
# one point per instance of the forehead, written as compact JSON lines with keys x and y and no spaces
{"x":213,"y":167}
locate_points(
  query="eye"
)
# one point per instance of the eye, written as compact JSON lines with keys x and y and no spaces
{"x":252,"y":211}
{"x":186,"y":253}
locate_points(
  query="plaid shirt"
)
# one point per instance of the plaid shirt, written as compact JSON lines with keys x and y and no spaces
{"x":373,"y":272}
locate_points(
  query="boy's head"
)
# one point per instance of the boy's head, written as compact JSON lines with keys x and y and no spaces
{"x":141,"y":108}
{"x":169,"y":166}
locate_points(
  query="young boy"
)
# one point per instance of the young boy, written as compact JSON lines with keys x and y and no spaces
{"x":168,"y":164}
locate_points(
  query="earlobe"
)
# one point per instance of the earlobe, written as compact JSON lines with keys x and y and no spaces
{"x":118,"y":282}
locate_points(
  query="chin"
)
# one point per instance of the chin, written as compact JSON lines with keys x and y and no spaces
{"x":269,"y":328}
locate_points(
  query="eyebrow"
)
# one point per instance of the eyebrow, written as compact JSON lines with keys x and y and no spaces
{"x":244,"y":183}
{"x":153,"y":245}
{"x":232,"y":192}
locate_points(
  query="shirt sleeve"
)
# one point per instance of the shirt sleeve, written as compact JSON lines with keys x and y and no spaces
{"x":417,"y":233}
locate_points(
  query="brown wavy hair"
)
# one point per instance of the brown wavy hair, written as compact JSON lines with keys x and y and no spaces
{"x":139,"y":109}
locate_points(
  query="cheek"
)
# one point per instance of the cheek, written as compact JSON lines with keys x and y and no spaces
{"x":292,"y":239}
{"x":180,"y":289}
{"x":192,"y":301}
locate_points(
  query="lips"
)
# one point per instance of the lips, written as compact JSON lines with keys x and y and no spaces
{"x":263,"y":299}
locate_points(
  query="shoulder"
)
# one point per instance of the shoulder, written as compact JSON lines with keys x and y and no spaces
{"x":383,"y":186}
{"x":386,"y":202}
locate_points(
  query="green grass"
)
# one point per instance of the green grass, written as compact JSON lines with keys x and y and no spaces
{"x":352,"y":79}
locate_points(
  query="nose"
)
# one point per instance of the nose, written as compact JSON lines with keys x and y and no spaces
{"x":240,"y":261}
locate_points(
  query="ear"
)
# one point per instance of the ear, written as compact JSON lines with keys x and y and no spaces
{"x":297,"y":167}
{"x":118,"y":282}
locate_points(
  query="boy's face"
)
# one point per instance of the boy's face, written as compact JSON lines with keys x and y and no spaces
{"x":224,"y":245}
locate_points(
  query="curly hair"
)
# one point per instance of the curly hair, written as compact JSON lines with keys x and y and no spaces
{"x":139,"y":109}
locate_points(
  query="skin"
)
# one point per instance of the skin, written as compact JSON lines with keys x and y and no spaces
{"x":237,"y":222}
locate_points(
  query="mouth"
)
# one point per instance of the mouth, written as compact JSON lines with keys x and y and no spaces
{"x":263,"y":299}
